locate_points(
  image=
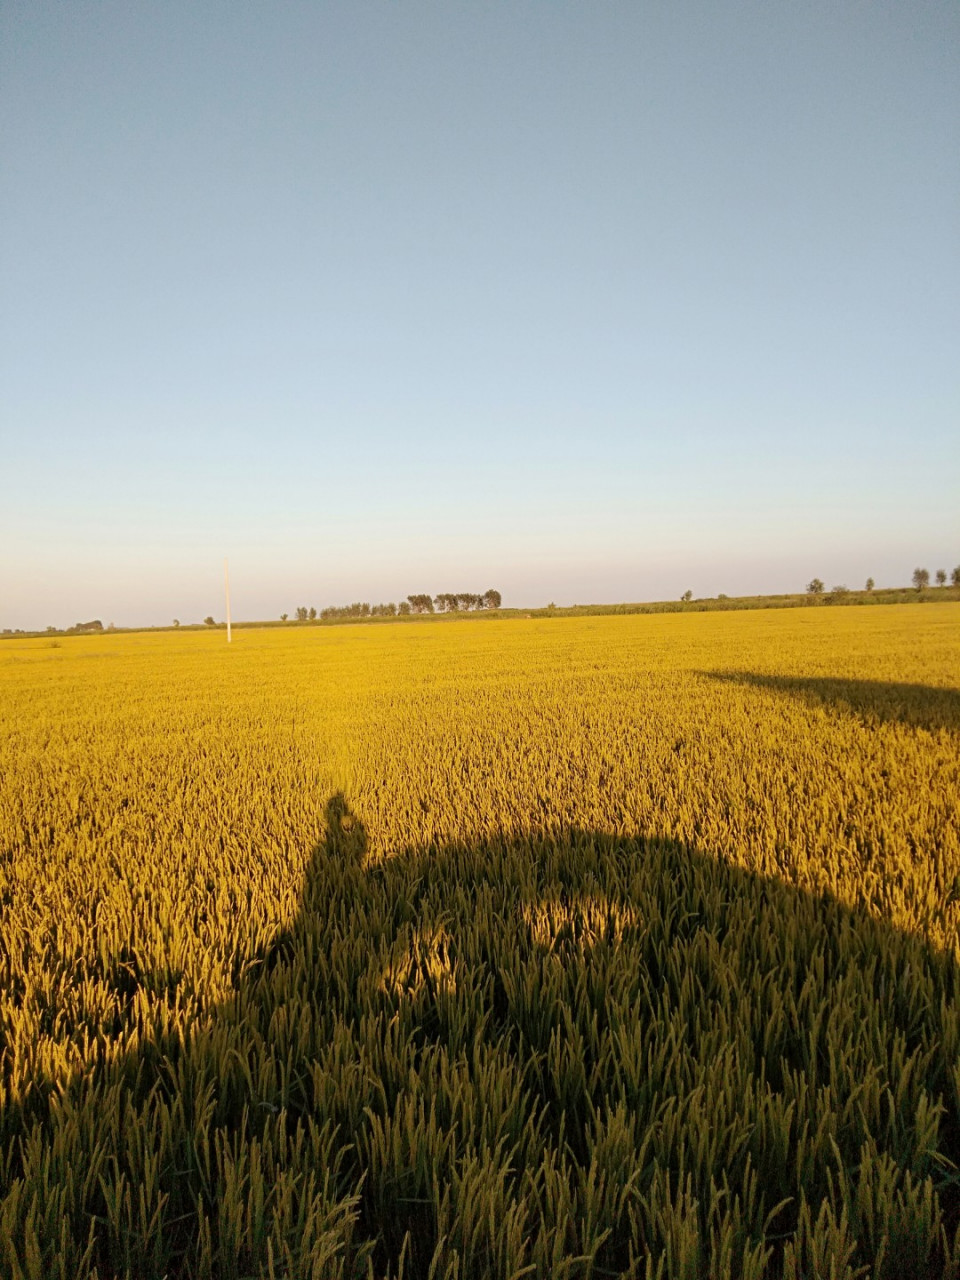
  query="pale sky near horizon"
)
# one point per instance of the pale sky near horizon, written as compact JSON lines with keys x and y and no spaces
{"x":581,"y":301}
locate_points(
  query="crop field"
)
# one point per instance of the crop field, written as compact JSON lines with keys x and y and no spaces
{"x":582,"y":947}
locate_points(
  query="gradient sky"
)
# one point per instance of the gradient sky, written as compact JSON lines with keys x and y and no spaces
{"x":583,"y":301}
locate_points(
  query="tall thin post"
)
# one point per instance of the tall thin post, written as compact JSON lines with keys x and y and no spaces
{"x":226,"y":583}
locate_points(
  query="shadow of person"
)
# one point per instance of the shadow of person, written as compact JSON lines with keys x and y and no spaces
{"x":918,"y":705}
{"x":561,"y":1054}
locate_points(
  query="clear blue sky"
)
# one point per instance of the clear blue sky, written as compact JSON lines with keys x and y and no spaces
{"x":583,"y":301}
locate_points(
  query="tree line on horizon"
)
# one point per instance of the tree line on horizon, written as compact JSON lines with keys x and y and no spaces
{"x":444,"y":602}
{"x":465,"y":601}
{"x":920,"y":579}
{"x":455,"y":602}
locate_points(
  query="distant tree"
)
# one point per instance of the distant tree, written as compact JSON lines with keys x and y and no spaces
{"x":921,"y":578}
{"x":815,"y":587}
{"x":51,"y":631}
{"x":302,"y":613}
{"x":941,"y":576}
{"x":955,"y":576}
{"x":313,"y":615}
{"x":869,"y":585}
{"x":837,"y":592}
{"x":723,"y":596}
{"x":491,"y":599}
{"x":422,"y":603}
{"x":687,"y":595}
{"x":176,"y":622}
{"x":284,"y":616}
{"x":209,"y":621}
{"x":403,"y":607}
{"x":359,"y":609}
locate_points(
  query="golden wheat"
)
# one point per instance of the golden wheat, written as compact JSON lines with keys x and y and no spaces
{"x":555,"y":947}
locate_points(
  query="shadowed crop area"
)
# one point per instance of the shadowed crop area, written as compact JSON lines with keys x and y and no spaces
{"x":604,"y":946}
{"x":923,"y":706}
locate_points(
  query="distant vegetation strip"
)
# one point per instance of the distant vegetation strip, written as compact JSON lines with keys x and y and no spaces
{"x":368,"y":613}
{"x":445,"y":602}
{"x":417,"y":607}
{"x":686,"y":604}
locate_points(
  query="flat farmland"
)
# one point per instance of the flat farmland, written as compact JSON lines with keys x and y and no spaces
{"x":575,"y":947}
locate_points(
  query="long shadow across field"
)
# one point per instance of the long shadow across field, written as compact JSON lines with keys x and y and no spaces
{"x":919,"y":705}
{"x":567,"y":1052}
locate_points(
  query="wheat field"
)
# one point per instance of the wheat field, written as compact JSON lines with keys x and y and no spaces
{"x":575,"y":947}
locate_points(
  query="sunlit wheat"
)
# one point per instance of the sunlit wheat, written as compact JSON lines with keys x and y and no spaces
{"x":552,"y":947}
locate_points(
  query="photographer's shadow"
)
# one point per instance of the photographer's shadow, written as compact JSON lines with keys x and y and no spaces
{"x":516,"y":1053}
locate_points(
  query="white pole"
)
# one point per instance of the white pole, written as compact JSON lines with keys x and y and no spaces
{"x":226,"y":583}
